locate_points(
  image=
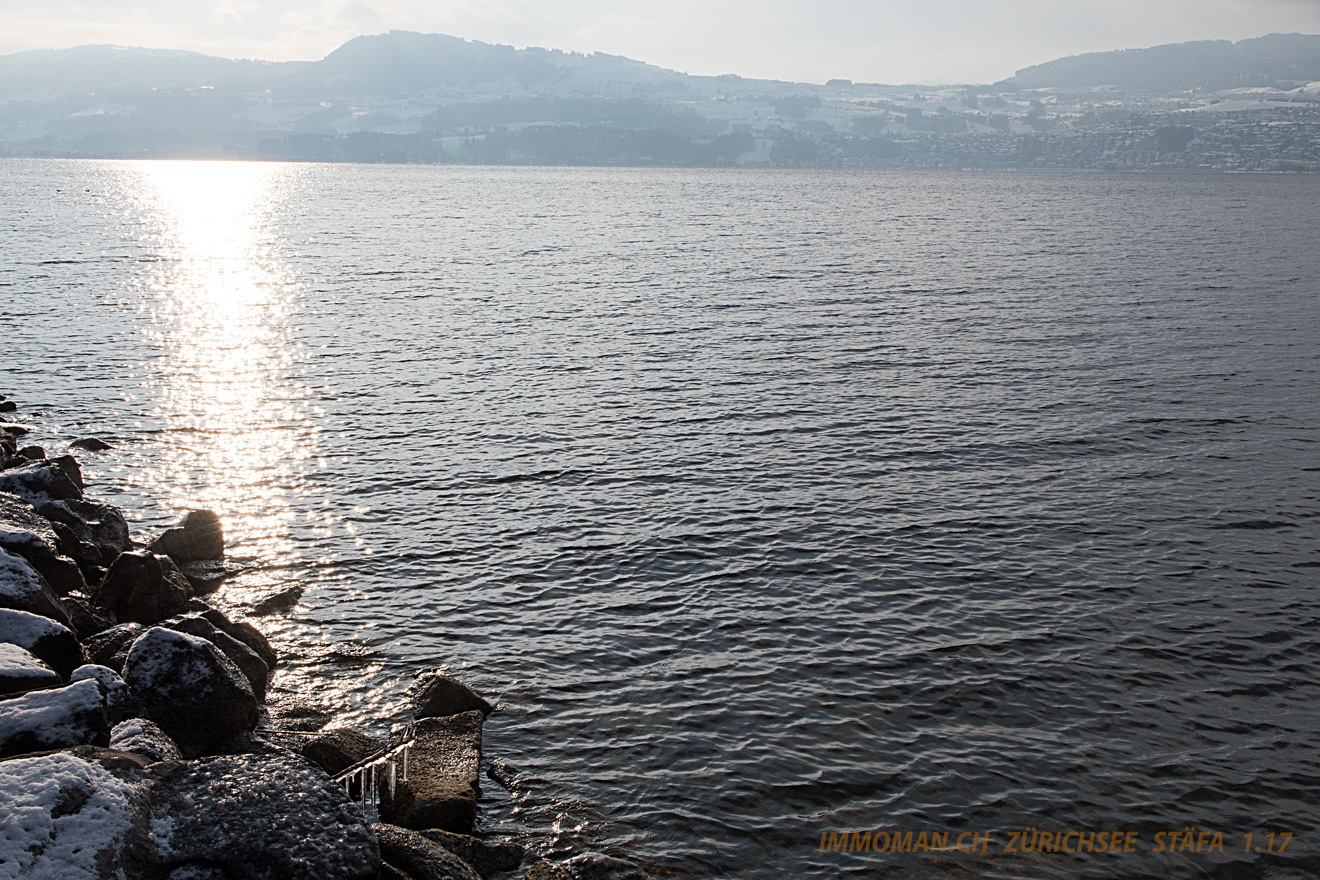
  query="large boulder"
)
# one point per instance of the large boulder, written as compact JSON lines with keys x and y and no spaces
{"x":198,"y":537}
{"x":260,"y":817}
{"x":121,"y":703}
{"x":443,"y":783}
{"x":191,"y":689}
{"x":21,"y":671}
{"x":136,"y":589}
{"x":25,"y":533}
{"x":141,"y":737}
{"x":245,"y":633}
{"x":253,"y":667}
{"x":334,"y":751}
{"x":54,"y":644}
{"x":42,"y":481}
{"x":72,"y":715}
{"x":24,"y":589}
{"x":420,"y":858}
{"x":101,"y":525}
{"x":74,"y":815}
{"x":484,"y":857}
{"x":588,"y":866}
{"x":436,"y":694}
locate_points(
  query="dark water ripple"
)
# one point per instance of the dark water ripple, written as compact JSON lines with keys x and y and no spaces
{"x":765,"y":503}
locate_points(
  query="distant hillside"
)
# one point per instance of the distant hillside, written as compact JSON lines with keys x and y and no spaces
{"x":1210,"y":65}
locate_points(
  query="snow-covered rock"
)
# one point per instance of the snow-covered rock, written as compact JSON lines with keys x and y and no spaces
{"x":72,"y":816}
{"x":24,"y":589}
{"x":25,"y":533}
{"x":260,"y":817}
{"x":73,"y":715}
{"x":40,"y":482}
{"x":252,"y":666}
{"x":195,"y":693}
{"x":21,"y":670}
{"x":121,"y":703}
{"x":136,"y":589}
{"x":422,"y":859}
{"x":142,"y":737}
{"x":54,"y":644}
{"x":443,"y":776}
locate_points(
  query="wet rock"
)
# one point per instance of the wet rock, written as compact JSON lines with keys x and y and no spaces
{"x":278,"y":603}
{"x":53,"y":644}
{"x":101,"y":525}
{"x":121,"y":703}
{"x":91,"y":444}
{"x":21,"y":671}
{"x":84,"y":553}
{"x":72,"y":715}
{"x":104,"y":647}
{"x":334,"y":751}
{"x":24,"y":589}
{"x":443,"y":776}
{"x":142,"y":737}
{"x":199,"y":536}
{"x":422,"y":859}
{"x":436,"y":694}
{"x":485,"y":858}
{"x":72,"y":470}
{"x":8,"y":406}
{"x":588,"y":866}
{"x":245,"y":633}
{"x":192,"y":690}
{"x":206,"y":577}
{"x":252,"y":666}
{"x":260,"y":817}
{"x":135,"y":589}
{"x":32,"y":453}
{"x":24,"y":533}
{"x":39,"y":482}
{"x":74,"y":815}
{"x":86,"y":619}
{"x":291,"y":711}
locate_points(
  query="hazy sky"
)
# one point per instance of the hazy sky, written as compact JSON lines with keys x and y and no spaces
{"x":863,"y":40}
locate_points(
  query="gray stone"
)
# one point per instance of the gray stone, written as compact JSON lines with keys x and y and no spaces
{"x":199,"y":536}
{"x":443,"y":776}
{"x":25,"y":533}
{"x":588,"y":866}
{"x":21,"y":670}
{"x":101,"y":525}
{"x":142,"y":737}
{"x":436,"y":694}
{"x":135,"y":589}
{"x":121,"y":703}
{"x":205,"y":577}
{"x":260,"y":817}
{"x":334,"y":751}
{"x":110,"y":648}
{"x":80,"y":814}
{"x":52,"y":643}
{"x":90,"y":444}
{"x":72,"y":470}
{"x":422,"y":859}
{"x":245,"y":633}
{"x":192,"y":690}
{"x":72,"y":715}
{"x":41,"y":481}
{"x":484,"y":857}
{"x":32,"y":453}
{"x":24,"y":589}
{"x":86,"y":619}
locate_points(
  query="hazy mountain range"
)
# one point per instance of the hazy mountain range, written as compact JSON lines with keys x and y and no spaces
{"x":406,"y":96}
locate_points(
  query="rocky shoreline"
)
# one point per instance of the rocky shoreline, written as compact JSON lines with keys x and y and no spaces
{"x":136,"y":740}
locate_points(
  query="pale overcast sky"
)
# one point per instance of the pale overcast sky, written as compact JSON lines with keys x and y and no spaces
{"x":863,"y":40}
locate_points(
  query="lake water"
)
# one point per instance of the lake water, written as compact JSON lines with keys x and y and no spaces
{"x":765,"y":503}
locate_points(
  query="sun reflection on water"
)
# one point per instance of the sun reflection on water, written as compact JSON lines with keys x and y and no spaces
{"x":219,"y":309}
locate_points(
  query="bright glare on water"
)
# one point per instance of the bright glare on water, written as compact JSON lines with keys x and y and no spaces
{"x":764,"y":503}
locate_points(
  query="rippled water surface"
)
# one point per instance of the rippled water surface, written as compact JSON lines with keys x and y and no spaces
{"x":765,"y":503}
